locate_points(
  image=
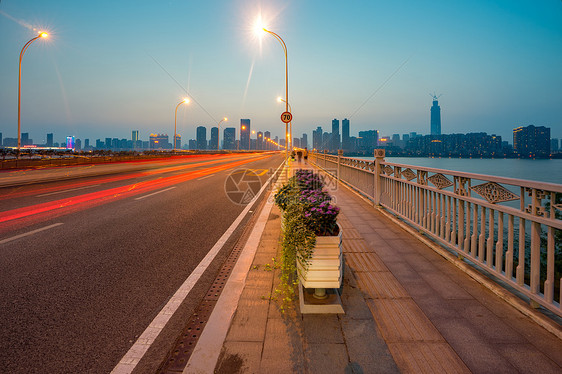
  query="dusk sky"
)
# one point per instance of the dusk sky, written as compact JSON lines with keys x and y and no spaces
{"x":109,"y":67}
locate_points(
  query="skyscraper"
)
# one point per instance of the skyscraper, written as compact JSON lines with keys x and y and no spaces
{"x":229,"y":138}
{"x":336,"y":142}
{"x":260,"y":141}
{"x":178,"y":141}
{"x":201,"y":137}
{"x":345,"y":144}
{"x":266,"y":135}
{"x":135,"y":135}
{"x":435,"y":118}
{"x":214,"y":142}
{"x":317,"y":138}
{"x":532,"y":141}
{"x":245,"y":132}
{"x":50,"y":140}
{"x":304,"y":141}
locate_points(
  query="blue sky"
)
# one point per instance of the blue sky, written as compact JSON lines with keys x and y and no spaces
{"x":109,"y":67}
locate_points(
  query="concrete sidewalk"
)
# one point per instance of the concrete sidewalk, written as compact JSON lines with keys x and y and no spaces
{"x":407,"y":309}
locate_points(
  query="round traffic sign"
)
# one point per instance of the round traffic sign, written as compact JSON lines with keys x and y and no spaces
{"x":286,"y":117}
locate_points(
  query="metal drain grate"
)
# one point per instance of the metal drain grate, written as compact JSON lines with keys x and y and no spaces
{"x":179,"y":356}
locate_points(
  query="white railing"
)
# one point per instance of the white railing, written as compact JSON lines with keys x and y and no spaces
{"x":505,"y":226}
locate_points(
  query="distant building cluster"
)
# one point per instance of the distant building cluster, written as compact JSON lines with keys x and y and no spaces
{"x":528,"y":141}
{"x":249,"y":140}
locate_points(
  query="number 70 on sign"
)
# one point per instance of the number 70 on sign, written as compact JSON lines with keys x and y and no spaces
{"x":286,"y":117}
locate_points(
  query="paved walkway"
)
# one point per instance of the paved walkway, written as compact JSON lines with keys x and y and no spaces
{"x":407,"y":310}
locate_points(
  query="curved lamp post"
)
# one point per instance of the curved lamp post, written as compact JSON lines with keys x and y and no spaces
{"x":41,"y":35}
{"x":286,"y":78}
{"x":184,"y":101}
{"x":219,"y":134}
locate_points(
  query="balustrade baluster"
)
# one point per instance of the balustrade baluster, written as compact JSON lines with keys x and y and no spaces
{"x":509,"y":253}
{"x":549,"y":283}
{"x":454,"y":222}
{"x":474,"y":238}
{"x":490,"y":241}
{"x":535,"y":257}
{"x":482,"y":238}
{"x":499,"y":244}
{"x":467,"y":231}
{"x":520,"y":272}
{"x":448,"y":221}
{"x":461,"y":225}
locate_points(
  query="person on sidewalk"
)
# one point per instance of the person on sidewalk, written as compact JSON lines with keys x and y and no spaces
{"x":299,"y":155}
{"x":305,"y":154}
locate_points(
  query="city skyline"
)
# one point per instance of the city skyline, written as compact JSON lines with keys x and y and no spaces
{"x":376,"y":69}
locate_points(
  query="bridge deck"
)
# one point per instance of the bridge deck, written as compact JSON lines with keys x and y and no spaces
{"x":429,"y":316}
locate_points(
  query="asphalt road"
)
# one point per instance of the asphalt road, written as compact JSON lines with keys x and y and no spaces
{"x":88,"y":262}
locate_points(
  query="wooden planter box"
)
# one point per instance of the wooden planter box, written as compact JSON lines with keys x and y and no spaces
{"x":325,"y":269}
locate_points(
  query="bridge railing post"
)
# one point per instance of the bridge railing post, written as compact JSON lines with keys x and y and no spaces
{"x":379,"y":158}
{"x":340,"y":155}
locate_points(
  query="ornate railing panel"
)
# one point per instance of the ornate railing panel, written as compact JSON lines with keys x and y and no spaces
{"x":511,"y":228}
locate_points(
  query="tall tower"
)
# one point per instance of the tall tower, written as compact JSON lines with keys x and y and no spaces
{"x":336,"y":142}
{"x":245,"y":132}
{"x":201,"y":135}
{"x":345,"y":140}
{"x":435,"y":117}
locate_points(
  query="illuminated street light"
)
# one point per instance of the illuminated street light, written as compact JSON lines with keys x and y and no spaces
{"x":41,"y":35}
{"x":184,"y":101}
{"x":260,"y":29}
{"x":219,"y":135}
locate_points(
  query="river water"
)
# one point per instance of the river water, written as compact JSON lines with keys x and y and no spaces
{"x":534,"y":170}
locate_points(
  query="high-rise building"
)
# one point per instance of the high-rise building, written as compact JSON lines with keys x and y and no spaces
{"x":156,"y":141}
{"x":304,"y":141}
{"x":532,"y":141}
{"x":368,"y":141}
{"x":326,"y":141}
{"x":0,"y":139}
{"x":336,"y":141}
{"x":86,"y":143}
{"x":25,"y":140}
{"x":214,"y":141}
{"x":345,"y":144}
{"x":245,"y":132}
{"x":259,"y":141}
{"x":50,"y":141}
{"x":317,"y":138}
{"x":108,"y":142}
{"x":201,"y":136}
{"x":135,"y":135}
{"x":435,"y":118}
{"x":266,"y":143}
{"x":553,"y":145}
{"x":177,"y":143}
{"x":229,"y":138}
{"x":70,"y":142}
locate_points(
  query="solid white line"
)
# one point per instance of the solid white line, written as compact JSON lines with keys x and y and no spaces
{"x":30,"y":233}
{"x":72,"y":189}
{"x":155,"y":193}
{"x":205,"y":177}
{"x":129,"y":362}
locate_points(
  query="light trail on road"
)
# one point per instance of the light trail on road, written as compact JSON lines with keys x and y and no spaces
{"x":21,"y":217}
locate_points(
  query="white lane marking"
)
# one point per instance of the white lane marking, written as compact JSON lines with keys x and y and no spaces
{"x":155,"y":193}
{"x":131,"y":359}
{"x":30,"y":233}
{"x":72,"y":189}
{"x":205,"y":177}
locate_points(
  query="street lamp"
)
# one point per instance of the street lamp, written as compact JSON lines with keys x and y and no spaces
{"x":41,"y":35}
{"x":184,"y":101}
{"x":260,"y":29}
{"x":219,"y":135}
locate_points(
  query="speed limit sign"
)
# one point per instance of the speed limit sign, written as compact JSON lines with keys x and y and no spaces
{"x":286,"y":117}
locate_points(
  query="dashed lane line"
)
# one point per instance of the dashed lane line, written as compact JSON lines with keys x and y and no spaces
{"x":30,"y":233}
{"x":154,"y":193}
